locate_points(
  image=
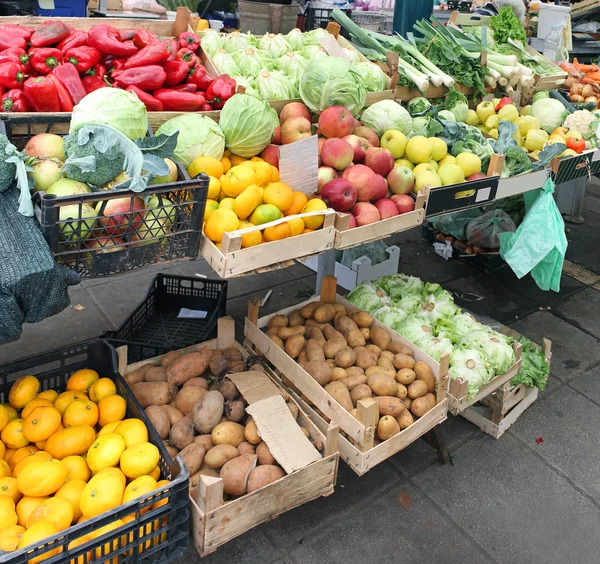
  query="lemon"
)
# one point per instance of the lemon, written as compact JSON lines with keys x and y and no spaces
{"x":265,"y":213}
{"x":404,"y":162}
{"x":219,"y":222}
{"x":211,"y":206}
{"x":451,"y":174}
{"x":439,"y":149}
{"x":470,"y":163}
{"x":419,"y":150}
{"x":250,"y":239}
{"x":208,"y":165}
{"x":314,"y":222}
{"x":227,"y":203}
{"x":214,"y":188}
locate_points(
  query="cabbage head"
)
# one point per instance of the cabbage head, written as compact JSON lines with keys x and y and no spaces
{"x":314,"y":37}
{"x":311,"y":52}
{"x":493,"y":346}
{"x":385,"y":115}
{"x":390,"y":316}
{"x":292,"y":65}
{"x":447,"y":115}
{"x":457,"y":327}
{"x":233,"y":42}
{"x":112,"y":106}
{"x":437,"y":307}
{"x":211,"y":41}
{"x":275,"y":85}
{"x":373,"y":78}
{"x":295,"y":39}
{"x":416,"y":330}
{"x":199,"y":136}
{"x":550,"y":113}
{"x":436,"y":347}
{"x":400,"y":285}
{"x":247,"y":124}
{"x":273,"y":44}
{"x":330,"y":81}
{"x":473,"y":367}
{"x":417,"y":106}
{"x":226,"y":64}
{"x":249,"y":62}
{"x":368,"y":296}
{"x":352,"y":55}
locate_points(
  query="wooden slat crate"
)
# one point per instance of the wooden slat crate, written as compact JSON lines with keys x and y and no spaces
{"x":215,"y":522}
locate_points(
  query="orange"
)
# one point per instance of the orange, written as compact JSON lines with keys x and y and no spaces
{"x":138,"y":488}
{"x":236,"y":179}
{"x":102,"y":493}
{"x":105,"y":451}
{"x":155,"y":473}
{"x":143,"y":533}
{"x":8,"y":515}
{"x":277,"y":232}
{"x":56,"y":509}
{"x":10,"y":537}
{"x":21,"y":453}
{"x":49,"y":395}
{"x":247,"y":201}
{"x":113,"y":472}
{"x":139,"y":460}
{"x":70,"y":441}
{"x":39,"y":455}
{"x":25,"y":506}
{"x":80,"y":412}
{"x":162,"y":501}
{"x":41,"y":423}
{"x":86,"y":556}
{"x":300,"y":200}
{"x":250,"y":239}
{"x":315,"y":221}
{"x":110,"y":546}
{"x":219,"y":222}
{"x":274,"y":174}
{"x":12,"y":412}
{"x":262,"y":171}
{"x":209,"y":165}
{"x":41,"y":477}
{"x":296,"y":226}
{"x":8,"y":454}
{"x":211,"y":206}
{"x":108,"y":428}
{"x":36,"y":536}
{"x":66,"y":398}
{"x":101,"y":388}
{"x":4,"y":468}
{"x":81,"y":380}
{"x":214,"y":188}
{"x":71,"y":491}
{"x":2,"y":450}
{"x":279,"y":194}
{"x":256,"y":159}
{"x":77,"y":468}
{"x":8,"y":486}
{"x":227,"y":203}
{"x":36,"y":402}
{"x":226,"y":164}
{"x":12,"y":435}
{"x":222,"y":195}
{"x":23,"y":391}
{"x":236,"y":160}
{"x":4,"y":417}
{"x":112,"y":409}
{"x":265,"y":213}
{"x":133,"y":431}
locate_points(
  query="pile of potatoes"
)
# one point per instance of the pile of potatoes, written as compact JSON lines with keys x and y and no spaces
{"x":200,"y":415}
{"x":354,"y":360}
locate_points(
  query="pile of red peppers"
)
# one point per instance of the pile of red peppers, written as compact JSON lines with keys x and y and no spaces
{"x":51,"y":68}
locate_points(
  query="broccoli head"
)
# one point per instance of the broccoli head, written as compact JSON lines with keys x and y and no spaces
{"x":8,"y":170}
{"x":516,"y":161}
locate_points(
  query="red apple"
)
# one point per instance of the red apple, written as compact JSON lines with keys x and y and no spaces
{"x":337,"y":153}
{"x":476,"y":176}
{"x":360,"y":146}
{"x":381,"y":187}
{"x":102,"y":245}
{"x":336,"y":121}
{"x":368,"y":134}
{"x":363,"y":179}
{"x":326,"y":174}
{"x":277,"y":135}
{"x":271,"y":155}
{"x":379,"y":160}
{"x":320,"y":142}
{"x":386,"y":208}
{"x":339,"y":194}
{"x":292,"y":110}
{"x":403,"y":202}
{"x":401,"y":180}
{"x":119,"y":214}
{"x":365,"y":213}
{"x":45,"y":146}
{"x":357,"y":123}
{"x":295,"y":129}
{"x":352,"y":222}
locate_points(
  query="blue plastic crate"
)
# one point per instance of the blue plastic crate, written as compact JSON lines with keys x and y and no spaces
{"x":65,"y":9}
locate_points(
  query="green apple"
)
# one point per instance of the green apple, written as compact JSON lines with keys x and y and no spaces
{"x":395,"y":141}
{"x":171,"y":176}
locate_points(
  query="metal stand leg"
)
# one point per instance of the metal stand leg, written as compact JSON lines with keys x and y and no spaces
{"x":435,"y":438}
{"x":326,"y":267}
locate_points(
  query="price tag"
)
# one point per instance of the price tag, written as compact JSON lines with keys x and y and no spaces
{"x":483,"y":194}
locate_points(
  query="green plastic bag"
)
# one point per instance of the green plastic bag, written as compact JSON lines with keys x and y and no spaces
{"x":539,"y":245}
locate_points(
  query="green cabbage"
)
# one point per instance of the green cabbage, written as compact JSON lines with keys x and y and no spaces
{"x":470,"y":365}
{"x":275,"y":85}
{"x":385,"y":115}
{"x":112,"y":106}
{"x":457,"y":104}
{"x":436,"y":347}
{"x":274,"y":44}
{"x":314,"y":37}
{"x":368,"y":296}
{"x":373,"y":78}
{"x":199,"y":136}
{"x":295,"y":39}
{"x":400,"y":285}
{"x":236,"y":41}
{"x":416,"y":330}
{"x":437,"y":307}
{"x":249,"y":85}
{"x":249,"y":62}
{"x":493,"y":346}
{"x":226,"y":64}
{"x":391,"y":316}
{"x":447,"y":115}
{"x":550,"y":113}
{"x":458,"y":327}
{"x":292,"y":65}
{"x":330,"y":81}
{"x":211,"y":42}
{"x":352,"y":55}
{"x":248,"y":124}
{"x":534,"y":368}
{"x":418,"y":105}
{"x":311,"y":52}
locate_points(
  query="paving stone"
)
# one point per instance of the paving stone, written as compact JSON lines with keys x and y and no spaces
{"x":582,"y":310}
{"x":580,"y":249}
{"x":422,"y":261}
{"x":588,"y":384}
{"x":569,"y":425}
{"x":591,"y":202}
{"x":573,"y":351}
{"x":351,"y":491}
{"x":400,"y":526}
{"x":514,"y":505}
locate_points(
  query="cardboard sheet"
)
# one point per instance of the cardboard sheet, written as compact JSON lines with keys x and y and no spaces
{"x":299,"y":164}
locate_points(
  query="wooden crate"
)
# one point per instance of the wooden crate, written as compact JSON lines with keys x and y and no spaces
{"x":215,"y":522}
{"x":364,"y":454}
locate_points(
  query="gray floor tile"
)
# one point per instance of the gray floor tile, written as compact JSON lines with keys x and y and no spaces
{"x":579,"y":249}
{"x":588,"y":384}
{"x":400,"y":526}
{"x":511,"y":503}
{"x":582,"y":310}
{"x":421,"y":261}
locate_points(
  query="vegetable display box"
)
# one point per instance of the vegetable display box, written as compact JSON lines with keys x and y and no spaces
{"x":577,"y":166}
{"x":324,"y":402}
{"x":521,"y":183}
{"x":308,"y":473}
{"x":159,"y":521}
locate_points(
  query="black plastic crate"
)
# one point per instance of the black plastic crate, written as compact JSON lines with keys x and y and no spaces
{"x":162,"y":223}
{"x":320,"y":17}
{"x":161,"y":534}
{"x":153,"y":328}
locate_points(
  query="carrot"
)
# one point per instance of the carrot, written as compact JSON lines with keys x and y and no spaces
{"x":591,"y":78}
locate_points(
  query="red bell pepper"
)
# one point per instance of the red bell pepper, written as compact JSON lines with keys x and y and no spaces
{"x":172,"y":47}
{"x":77,"y":39}
{"x":504,"y":101}
{"x":14,"y":36}
{"x":42,"y":94}
{"x":12,"y":75}
{"x":51,"y":32}
{"x":94,"y":82}
{"x":64,"y":98}
{"x":201,"y":77}
{"x":97,"y":70}
{"x":144,"y":37}
{"x":69,"y":77}
{"x":177,"y":101}
{"x":83,"y":58}
{"x":18,"y":30}
{"x":221,"y":89}
{"x":150,"y":55}
{"x":151,"y":77}
{"x":205,"y":108}
{"x":44,"y":59}
{"x":152,"y":104}
{"x":15,"y":55}
{"x":102,"y":37}
{"x":176,"y":72}
{"x":113,"y":65}
{"x":14,"y":101}
{"x":187,"y":87}
{"x":189,"y":40}
{"x":127,"y":34}
{"x":577,"y":145}
{"x":188,"y":57}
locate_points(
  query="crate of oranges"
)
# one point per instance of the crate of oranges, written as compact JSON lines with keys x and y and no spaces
{"x":84,"y":477}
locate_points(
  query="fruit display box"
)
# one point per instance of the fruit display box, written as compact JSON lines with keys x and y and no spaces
{"x":577,"y":166}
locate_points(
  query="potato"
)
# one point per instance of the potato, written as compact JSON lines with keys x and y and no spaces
{"x":387,"y":427}
{"x":156,"y":374}
{"x":424,"y":372}
{"x":188,"y":366}
{"x":278,"y":341}
{"x":264,"y":454}
{"x":173,"y":414}
{"x":229,"y":390}
{"x":320,"y":371}
{"x":324,"y":313}
{"x":389,"y":372}
{"x":354,"y":371}
{"x":407,"y":402}
{"x":312,"y":323}
{"x":314,"y":350}
{"x":353,"y":381}
{"x":232,"y":353}
{"x":172,"y":403}
{"x":273,"y":330}
{"x":208,"y":412}
{"x":187,"y":397}
{"x":365,"y":358}
{"x":338,"y":373}
{"x":331,"y":363}
{"x":387,"y":354}
{"x":217,"y":456}
{"x":153,"y":393}
{"x":279,"y":321}
{"x":361,"y":391}
{"x":398,"y":348}
{"x":420,"y":406}
{"x":235,"y":411}
{"x":350,"y":331}
{"x":159,"y":419}
{"x":173,"y":452}
{"x":308,"y":311}
{"x":339,"y":307}
{"x":294,"y":345}
{"x":199,"y":381}
{"x":318,"y":336}
{"x":206,"y":470}
{"x":182,"y":433}
{"x":402,"y":391}
{"x":137,"y":376}
{"x":417,"y":389}
{"x":362,"y":318}
{"x":330,"y":332}
{"x":293,"y":409}
{"x":246,"y":448}
{"x":194,"y":480}
{"x":406,"y":376}
{"x":334,"y":346}
{"x":295,"y":319}
{"x":251,"y":433}
{"x":287,"y":332}
{"x":193,"y":457}
{"x":403,"y":361}
{"x":382,"y":385}
{"x":339,"y":392}
{"x":236,"y":472}
{"x":228,"y":433}
{"x":170,"y":357}
{"x":405,"y":419}
{"x":432,"y":399}
{"x":366,"y":332}
{"x":345,"y":358}
{"x":302,"y":357}
{"x":262,"y":476}
{"x":205,"y":441}
{"x":380,"y":337}
{"x":374,"y":349}
{"x":389,"y":405}
{"x":218,"y":365}
{"x":385,"y":362}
